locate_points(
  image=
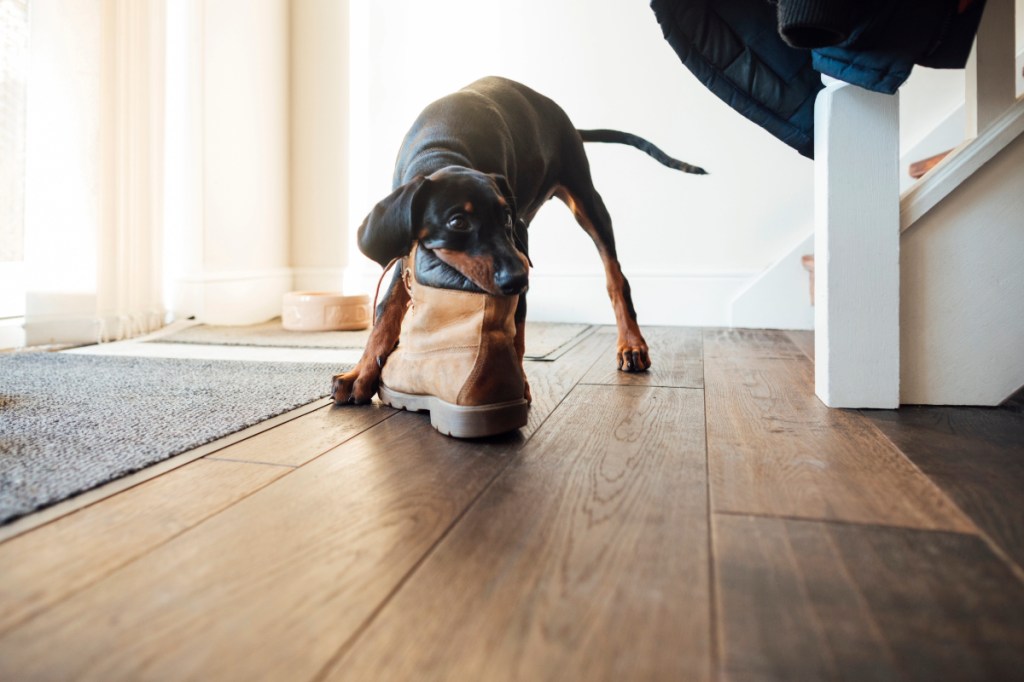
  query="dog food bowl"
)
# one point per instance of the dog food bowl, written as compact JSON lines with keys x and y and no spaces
{"x":320,"y":311}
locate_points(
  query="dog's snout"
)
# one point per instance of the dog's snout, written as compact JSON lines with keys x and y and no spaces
{"x":511,"y":283}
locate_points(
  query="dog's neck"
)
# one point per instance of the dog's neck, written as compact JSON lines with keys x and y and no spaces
{"x":429,"y":161}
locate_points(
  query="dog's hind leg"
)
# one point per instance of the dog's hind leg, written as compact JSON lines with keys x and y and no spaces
{"x":632,"y":354}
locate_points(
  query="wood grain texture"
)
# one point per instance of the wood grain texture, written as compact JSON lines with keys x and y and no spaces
{"x":800,"y":600}
{"x":47,"y":565}
{"x":917,"y":169}
{"x":296,"y":442}
{"x":587,"y":559}
{"x":774,"y":449}
{"x":551,"y":382}
{"x":271,"y":587}
{"x":750,"y":343}
{"x":976,"y":455}
{"x":804,"y":340}
{"x":676,"y":361}
{"x":119,"y":485}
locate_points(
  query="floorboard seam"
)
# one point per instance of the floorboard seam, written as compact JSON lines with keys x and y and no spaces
{"x":640,"y":385}
{"x":843,"y":522}
{"x":713,"y":616}
{"x":1016,"y":569}
{"x":348,"y":644}
{"x":132,"y":560}
{"x":346,"y":440}
{"x":97,"y":495}
{"x":365,"y":625}
{"x":249,"y":461}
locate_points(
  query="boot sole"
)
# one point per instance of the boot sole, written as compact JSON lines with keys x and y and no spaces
{"x":461,"y":421}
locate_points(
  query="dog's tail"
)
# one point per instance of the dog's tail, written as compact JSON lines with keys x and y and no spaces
{"x":643,"y":145}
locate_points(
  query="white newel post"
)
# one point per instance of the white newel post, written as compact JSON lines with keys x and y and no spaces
{"x":856,"y":247}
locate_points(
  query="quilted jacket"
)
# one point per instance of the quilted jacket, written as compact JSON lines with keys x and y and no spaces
{"x":765,"y":58}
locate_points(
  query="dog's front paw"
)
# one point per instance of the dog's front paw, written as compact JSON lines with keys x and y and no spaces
{"x":355,"y":387}
{"x":633,"y":357}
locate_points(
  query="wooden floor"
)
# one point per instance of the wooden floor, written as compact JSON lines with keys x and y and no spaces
{"x":709,"y":519}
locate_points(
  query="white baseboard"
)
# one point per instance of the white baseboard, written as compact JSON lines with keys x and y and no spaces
{"x":234,"y":297}
{"x":12,"y":289}
{"x":58,"y":318}
{"x":780,"y":297}
{"x":62,"y":331}
{"x":55,"y":317}
{"x":12,"y":333}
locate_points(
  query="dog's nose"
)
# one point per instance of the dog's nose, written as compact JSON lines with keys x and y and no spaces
{"x":510,"y":283}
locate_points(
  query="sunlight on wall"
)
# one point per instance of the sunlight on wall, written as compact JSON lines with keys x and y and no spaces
{"x":62,"y":169}
{"x":606,"y":63}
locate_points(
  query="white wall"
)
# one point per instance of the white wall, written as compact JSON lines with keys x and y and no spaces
{"x":687,"y":243}
{"x":962,"y":271}
{"x":63,"y":171}
{"x":62,"y":202}
{"x":233,"y":234}
{"x":246,"y":134}
{"x":318,"y":73}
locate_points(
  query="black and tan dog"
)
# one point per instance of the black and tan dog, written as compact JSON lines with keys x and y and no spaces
{"x":471,"y":174}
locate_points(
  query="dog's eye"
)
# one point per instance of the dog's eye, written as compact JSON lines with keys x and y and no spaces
{"x":458,"y":222}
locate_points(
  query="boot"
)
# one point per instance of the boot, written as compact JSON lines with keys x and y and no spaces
{"x":456,"y":358}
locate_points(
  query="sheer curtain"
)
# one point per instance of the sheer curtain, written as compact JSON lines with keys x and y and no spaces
{"x":94,"y":153}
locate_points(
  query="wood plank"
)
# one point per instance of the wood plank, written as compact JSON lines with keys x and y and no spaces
{"x":804,"y":340}
{"x":749,"y":343}
{"x":299,"y":441}
{"x":56,"y":560}
{"x":28,"y":523}
{"x":918,"y":168}
{"x":774,"y":449}
{"x":587,"y":559}
{"x":272,"y":587}
{"x":976,"y":455}
{"x":676,"y":361}
{"x":551,"y":382}
{"x":801,"y":600}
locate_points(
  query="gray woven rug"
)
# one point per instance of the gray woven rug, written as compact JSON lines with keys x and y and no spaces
{"x":69,"y":423}
{"x":544,"y":340}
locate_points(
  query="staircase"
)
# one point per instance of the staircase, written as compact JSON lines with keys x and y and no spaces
{"x":920,"y":297}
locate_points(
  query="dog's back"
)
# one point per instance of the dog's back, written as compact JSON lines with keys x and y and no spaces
{"x":493,"y":125}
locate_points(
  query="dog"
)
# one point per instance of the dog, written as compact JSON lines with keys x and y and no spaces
{"x":471,"y":174}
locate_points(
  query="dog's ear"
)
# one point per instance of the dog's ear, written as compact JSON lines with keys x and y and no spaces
{"x":390,"y":228}
{"x":506,"y":191}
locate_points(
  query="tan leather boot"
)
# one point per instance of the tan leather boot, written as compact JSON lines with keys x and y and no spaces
{"x":456,"y":358}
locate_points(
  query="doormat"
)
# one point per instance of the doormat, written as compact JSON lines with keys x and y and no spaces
{"x":544,"y":340}
{"x":69,"y":422}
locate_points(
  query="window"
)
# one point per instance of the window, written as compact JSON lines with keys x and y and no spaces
{"x":13,"y":68}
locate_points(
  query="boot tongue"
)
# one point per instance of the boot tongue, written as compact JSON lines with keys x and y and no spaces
{"x":431,"y":271}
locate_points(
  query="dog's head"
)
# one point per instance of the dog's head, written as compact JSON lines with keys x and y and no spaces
{"x":465,"y":217}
